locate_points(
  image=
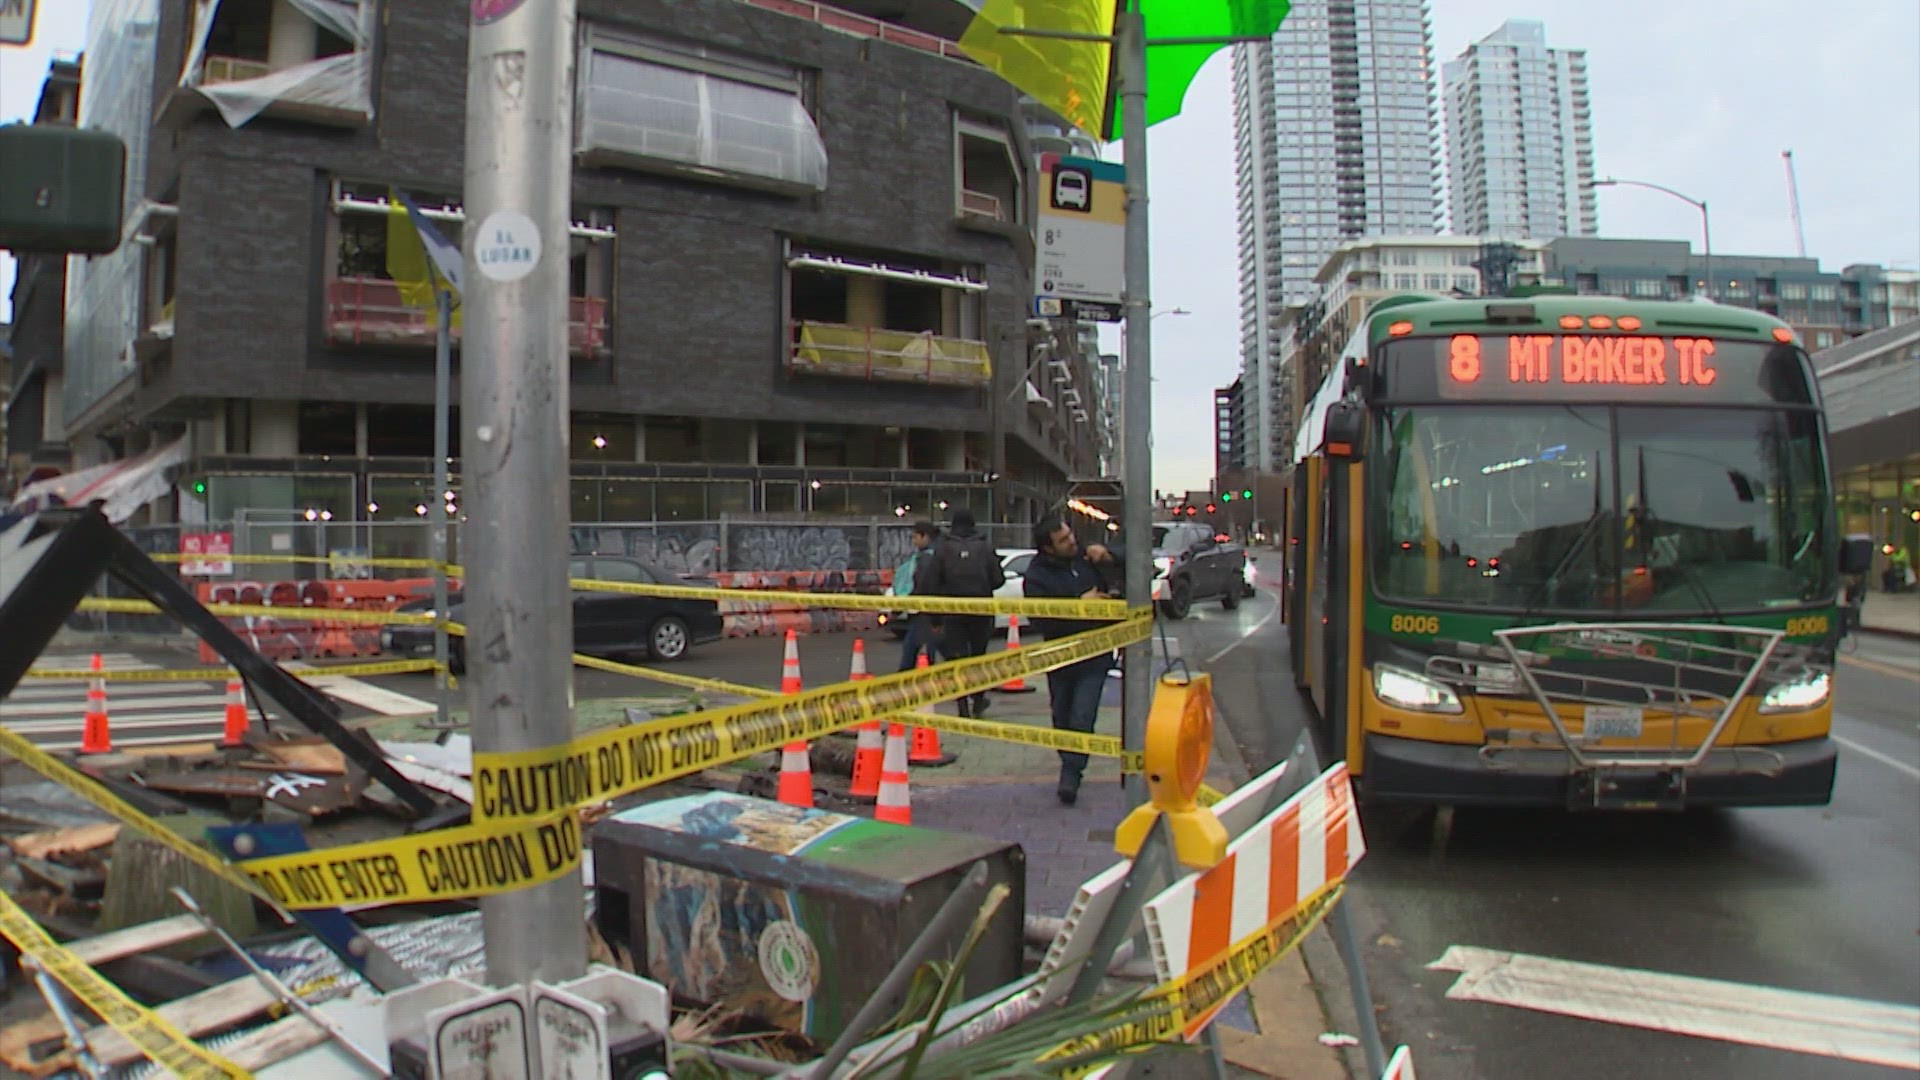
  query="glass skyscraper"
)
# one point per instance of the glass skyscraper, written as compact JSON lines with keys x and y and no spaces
{"x":1336,"y":133}
{"x":1520,"y":137}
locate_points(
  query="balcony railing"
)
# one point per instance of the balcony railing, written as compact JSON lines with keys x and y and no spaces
{"x":983,"y":204}
{"x":227,"y":69}
{"x":873,"y":353}
{"x":370,"y":311}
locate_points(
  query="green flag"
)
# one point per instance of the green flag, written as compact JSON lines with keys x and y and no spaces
{"x":1171,"y":68}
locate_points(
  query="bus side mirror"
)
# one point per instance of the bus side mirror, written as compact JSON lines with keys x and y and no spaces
{"x":1346,"y":429}
{"x":1856,"y":554}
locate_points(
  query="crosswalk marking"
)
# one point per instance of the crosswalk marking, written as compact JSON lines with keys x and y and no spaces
{"x":52,"y":714}
{"x":1850,"y":1028}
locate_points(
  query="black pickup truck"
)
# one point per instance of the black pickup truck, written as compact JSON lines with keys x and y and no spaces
{"x":1190,"y":564}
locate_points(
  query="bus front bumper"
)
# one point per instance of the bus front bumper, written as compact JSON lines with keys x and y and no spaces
{"x":1778,"y":774}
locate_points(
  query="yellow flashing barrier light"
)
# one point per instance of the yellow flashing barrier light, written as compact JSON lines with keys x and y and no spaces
{"x":1179,"y":746}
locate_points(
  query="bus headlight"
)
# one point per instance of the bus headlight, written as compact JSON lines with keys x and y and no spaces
{"x":1797,"y":695}
{"x":1404,"y":689}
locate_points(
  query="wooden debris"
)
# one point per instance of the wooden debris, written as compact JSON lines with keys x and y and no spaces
{"x":43,"y":845}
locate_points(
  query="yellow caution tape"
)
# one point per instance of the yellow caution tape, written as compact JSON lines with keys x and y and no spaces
{"x":448,"y":864}
{"x":533,"y":783}
{"x":1197,"y":995}
{"x":265,"y":611}
{"x":384,"y":667}
{"x":1039,"y":608}
{"x":165,"y":1044}
{"x":1027,"y":734}
{"x":120,"y":810}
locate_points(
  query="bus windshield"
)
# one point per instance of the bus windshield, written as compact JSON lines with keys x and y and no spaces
{"x":1579,"y":509}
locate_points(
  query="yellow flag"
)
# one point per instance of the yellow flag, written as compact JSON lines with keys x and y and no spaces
{"x":407,"y":262}
{"x":1069,"y":77}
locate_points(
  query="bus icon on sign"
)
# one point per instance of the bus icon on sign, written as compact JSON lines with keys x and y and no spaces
{"x":1072,"y":190}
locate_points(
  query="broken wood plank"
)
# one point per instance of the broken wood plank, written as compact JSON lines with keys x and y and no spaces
{"x":41,"y":845}
{"x":195,"y":1015}
{"x":35,"y":1047}
{"x":274,"y":1043}
{"x":317,"y":757}
{"x":145,"y":937}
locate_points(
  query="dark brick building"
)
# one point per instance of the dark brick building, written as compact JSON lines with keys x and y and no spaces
{"x":801,"y":263}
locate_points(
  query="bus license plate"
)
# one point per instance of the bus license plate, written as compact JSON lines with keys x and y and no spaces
{"x":1613,"y":721}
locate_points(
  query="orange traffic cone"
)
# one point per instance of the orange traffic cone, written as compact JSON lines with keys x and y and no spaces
{"x":796,"y":775}
{"x":94,"y":737}
{"x":236,"y":732}
{"x":926,"y":741}
{"x":790,"y":667}
{"x":868,"y":753}
{"x":894,"y":804}
{"x":1019,"y":683}
{"x":796,"y":765}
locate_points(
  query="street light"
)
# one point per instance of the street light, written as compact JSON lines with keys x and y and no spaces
{"x":1169,"y":311}
{"x":1706,"y":229}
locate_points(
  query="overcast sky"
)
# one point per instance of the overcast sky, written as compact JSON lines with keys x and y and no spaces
{"x":1696,"y":96}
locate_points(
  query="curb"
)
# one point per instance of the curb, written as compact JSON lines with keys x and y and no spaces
{"x":1892,"y":631}
{"x":1275,"y":997}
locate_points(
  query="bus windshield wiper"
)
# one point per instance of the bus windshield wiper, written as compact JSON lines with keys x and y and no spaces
{"x":1588,"y":531}
{"x":1680,"y":563}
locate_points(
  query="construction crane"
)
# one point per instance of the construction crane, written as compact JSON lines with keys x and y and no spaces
{"x":1793,"y":201}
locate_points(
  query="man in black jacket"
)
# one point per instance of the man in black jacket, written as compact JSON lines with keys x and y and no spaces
{"x":1061,"y":570}
{"x":963,"y":564}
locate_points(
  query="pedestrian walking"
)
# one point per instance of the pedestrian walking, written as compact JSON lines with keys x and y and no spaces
{"x":962,"y":563}
{"x":920,"y":627}
{"x":1063,"y":570}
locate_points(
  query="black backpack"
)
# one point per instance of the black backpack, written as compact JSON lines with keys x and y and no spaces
{"x":970,"y":567}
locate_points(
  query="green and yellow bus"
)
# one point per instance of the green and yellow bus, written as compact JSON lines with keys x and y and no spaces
{"x":1569,"y":551}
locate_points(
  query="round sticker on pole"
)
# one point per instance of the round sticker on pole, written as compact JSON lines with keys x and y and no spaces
{"x":507,"y":247}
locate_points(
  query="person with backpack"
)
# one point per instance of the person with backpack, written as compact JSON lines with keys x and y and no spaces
{"x":919,"y":627}
{"x":962,"y":564}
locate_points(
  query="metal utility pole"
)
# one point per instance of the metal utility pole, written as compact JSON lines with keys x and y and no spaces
{"x":442,"y":398}
{"x":1136,"y":688}
{"x":1706,"y":223}
{"x":514,"y":404}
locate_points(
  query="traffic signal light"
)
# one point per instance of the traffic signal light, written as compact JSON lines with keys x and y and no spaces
{"x":1246,"y":493}
{"x":1228,"y":496}
{"x":1193,"y":511}
{"x":199,"y":487}
{"x":1212,"y":509}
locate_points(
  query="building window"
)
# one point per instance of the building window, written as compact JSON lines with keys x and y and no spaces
{"x":988,"y":176}
{"x":890,"y":318}
{"x":1824,"y":291}
{"x":367,"y":306}
{"x":691,"y":110}
{"x":1650,"y":288}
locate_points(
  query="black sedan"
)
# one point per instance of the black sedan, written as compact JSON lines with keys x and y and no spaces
{"x":604,"y":623}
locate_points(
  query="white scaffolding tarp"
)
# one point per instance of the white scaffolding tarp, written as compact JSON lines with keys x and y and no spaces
{"x":343,"y":83}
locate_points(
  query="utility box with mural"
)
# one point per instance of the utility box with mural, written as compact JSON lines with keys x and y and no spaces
{"x":793,"y":916}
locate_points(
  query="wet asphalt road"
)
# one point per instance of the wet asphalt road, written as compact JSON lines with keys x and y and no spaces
{"x":1817,"y":899}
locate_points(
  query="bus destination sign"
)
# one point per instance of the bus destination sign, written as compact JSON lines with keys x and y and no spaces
{"x":1580,"y":367}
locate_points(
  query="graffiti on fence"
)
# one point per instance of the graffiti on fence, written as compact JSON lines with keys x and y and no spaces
{"x":679,"y":549}
{"x":797,"y":547}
